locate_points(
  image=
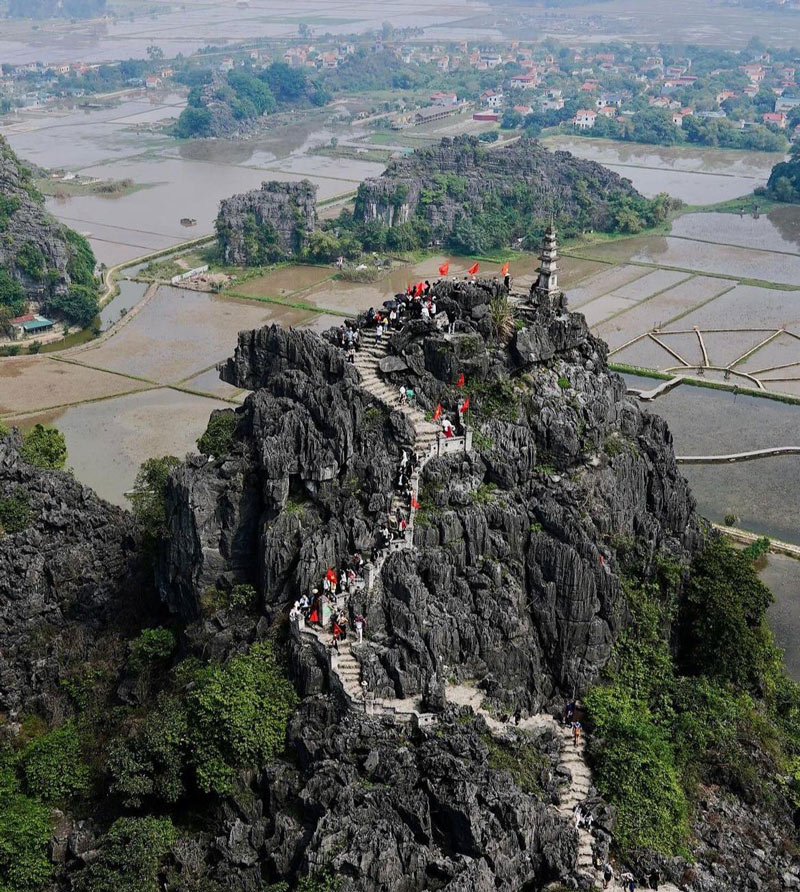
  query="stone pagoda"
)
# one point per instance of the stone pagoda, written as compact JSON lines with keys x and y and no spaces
{"x":547,"y":287}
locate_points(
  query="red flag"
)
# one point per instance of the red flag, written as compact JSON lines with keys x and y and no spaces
{"x":504,"y":269}
{"x":460,"y":382}
{"x":474,"y":268}
{"x":444,"y":269}
{"x":464,"y":406}
{"x":438,"y":412}
{"x":414,"y":503}
{"x":418,"y":289}
{"x":331,"y":575}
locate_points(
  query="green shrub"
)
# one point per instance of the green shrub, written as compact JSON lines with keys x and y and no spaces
{"x":149,"y":499}
{"x":218,"y":436}
{"x":637,"y":771}
{"x":130,"y":855}
{"x":53,"y":766}
{"x":81,"y":263}
{"x":564,"y":383}
{"x":153,"y":646}
{"x":44,"y":447}
{"x":723,"y":629}
{"x":238,"y":714}
{"x":233,"y":715}
{"x":24,"y":835}
{"x":150,"y":764}
{"x":12,"y":294}
{"x":31,"y":261}
{"x":79,"y":305}
{"x":15,"y":512}
{"x":242,"y":596}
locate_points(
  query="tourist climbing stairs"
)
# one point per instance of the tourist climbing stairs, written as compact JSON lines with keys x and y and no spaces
{"x":426,"y":435}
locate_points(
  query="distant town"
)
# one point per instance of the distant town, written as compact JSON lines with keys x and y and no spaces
{"x":662,"y":94}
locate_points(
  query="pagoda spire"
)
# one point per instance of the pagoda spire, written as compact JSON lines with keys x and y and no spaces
{"x":547,"y":283}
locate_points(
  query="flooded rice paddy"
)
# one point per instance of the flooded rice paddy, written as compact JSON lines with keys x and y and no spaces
{"x":695,"y":175}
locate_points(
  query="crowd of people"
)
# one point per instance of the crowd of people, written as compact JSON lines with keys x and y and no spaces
{"x":324,"y":606}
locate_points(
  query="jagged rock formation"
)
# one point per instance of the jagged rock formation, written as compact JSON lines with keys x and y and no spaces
{"x":513,"y":579}
{"x":39,"y":253}
{"x":63,"y":579}
{"x":474,"y":180}
{"x":268,"y":223}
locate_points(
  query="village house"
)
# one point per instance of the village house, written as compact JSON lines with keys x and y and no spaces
{"x":584,"y":119}
{"x":492,"y":98}
{"x":226,"y":64}
{"x":754,"y":73}
{"x":490,"y":60}
{"x":552,"y":104}
{"x":523,"y":109}
{"x":444,"y":98}
{"x":678,"y":116}
{"x":607,"y":111}
{"x":775,"y":119}
{"x":152,"y":83}
{"x":523,"y":81}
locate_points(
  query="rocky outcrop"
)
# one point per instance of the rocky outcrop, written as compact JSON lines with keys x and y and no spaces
{"x":39,"y":253}
{"x":513,"y":581}
{"x":462,"y":179}
{"x":268,"y":223}
{"x":67,"y":575}
{"x":379,"y":808}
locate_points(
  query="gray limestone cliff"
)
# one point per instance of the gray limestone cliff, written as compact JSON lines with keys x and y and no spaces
{"x":68,"y":571}
{"x":266,"y":224}
{"x":463,"y":181}
{"x":38,"y":253}
{"x":513,"y":581}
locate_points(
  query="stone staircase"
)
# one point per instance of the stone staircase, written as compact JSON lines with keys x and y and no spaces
{"x":425,"y":445}
{"x":573,"y":758}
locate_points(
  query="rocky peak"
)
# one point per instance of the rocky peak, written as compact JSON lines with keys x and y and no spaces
{"x":513,"y":579}
{"x":35,"y":250}
{"x":463,"y":178}
{"x":267,"y":223}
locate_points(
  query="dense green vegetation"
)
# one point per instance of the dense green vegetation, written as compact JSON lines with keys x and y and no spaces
{"x":784,"y":181}
{"x":15,"y":512}
{"x":148,"y":499}
{"x":655,"y":126}
{"x":12,"y":294}
{"x":720,"y":710}
{"x":218,"y":436}
{"x":245,"y":94}
{"x":45,"y":447}
{"x":130,"y":854}
{"x":198,"y":736}
{"x":506,"y":214}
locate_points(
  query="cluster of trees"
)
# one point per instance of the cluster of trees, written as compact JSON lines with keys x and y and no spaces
{"x":784,"y":181}
{"x":248,"y":93}
{"x":655,"y":126}
{"x":719,"y":709}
